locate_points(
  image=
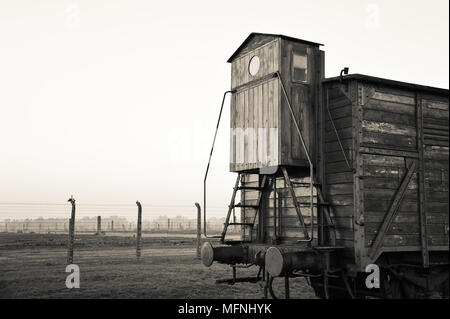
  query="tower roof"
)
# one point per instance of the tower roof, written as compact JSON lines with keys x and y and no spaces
{"x":270,"y":36}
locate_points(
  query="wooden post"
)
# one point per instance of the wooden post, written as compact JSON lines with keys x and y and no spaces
{"x":99,"y":225}
{"x":6,"y":227}
{"x":139,"y":230}
{"x":71,"y":232}
{"x":422,"y":193}
{"x":168,"y":224}
{"x":112,"y":225}
{"x":199,"y":229}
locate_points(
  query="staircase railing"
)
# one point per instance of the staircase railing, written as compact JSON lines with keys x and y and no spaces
{"x":207,"y":167}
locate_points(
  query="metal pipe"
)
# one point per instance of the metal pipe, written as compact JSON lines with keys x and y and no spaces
{"x":311,"y":166}
{"x":274,"y":182}
{"x":280,"y":262}
{"x":207,"y":167}
{"x":71,"y":232}
{"x":336,"y":132}
{"x":248,"y":255}
{"x":199,"y":229}
{"x":224,"y":254}
{"x":139,"y":230}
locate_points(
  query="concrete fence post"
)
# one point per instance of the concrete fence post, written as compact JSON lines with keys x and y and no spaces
{"x":71,"y":232}
{"x":139,"y":230}
{"x":99,"y":225}
{"x":199,"y":228}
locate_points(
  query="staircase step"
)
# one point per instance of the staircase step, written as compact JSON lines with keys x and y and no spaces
{"x":253,"y":188}
{"x":236,"y":242}
{"x":246,"y":206}
{"x":241,"y":224}
{"x":306,"y":204}
{"x":306,"y":184}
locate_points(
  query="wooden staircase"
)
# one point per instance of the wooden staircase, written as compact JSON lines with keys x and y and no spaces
{"x":324,"y":225}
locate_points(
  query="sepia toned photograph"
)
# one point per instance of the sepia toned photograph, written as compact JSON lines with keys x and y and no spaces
{"x":226,"y":155}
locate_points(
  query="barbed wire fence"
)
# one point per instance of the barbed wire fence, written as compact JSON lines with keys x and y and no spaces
{"x":26,"y":218}
{"x":109,"y":221}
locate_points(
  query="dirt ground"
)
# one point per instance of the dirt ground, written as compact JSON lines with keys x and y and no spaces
{"x":33,"y":266}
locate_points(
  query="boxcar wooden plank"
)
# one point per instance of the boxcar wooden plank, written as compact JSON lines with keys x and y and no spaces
{"x":395,"y":141}
{"x":336,"y":178}
{"x":389,"y":117}
{"x":392,"y":107}
{"x":388,"y":128}
{"x":345,"y":133}
{"x":393,"y":98}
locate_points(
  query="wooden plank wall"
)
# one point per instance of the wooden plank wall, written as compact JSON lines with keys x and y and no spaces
{"x":436,"y":167}
{"x":254,"y":127}
{"x":303,"y":97}
{"x":389,"y":143}
{"x":338,"y":184}
{"x":269,"y":63}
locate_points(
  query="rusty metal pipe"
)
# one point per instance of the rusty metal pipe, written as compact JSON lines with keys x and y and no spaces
{"x":232,"y":255}
{"x":279,"y":262}
{"x":209,"y":162}
{"x":223,"y":254}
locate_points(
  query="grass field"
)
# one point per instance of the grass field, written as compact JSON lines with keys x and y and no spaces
{"x":33,"y":266}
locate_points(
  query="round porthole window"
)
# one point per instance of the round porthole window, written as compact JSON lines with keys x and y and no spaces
{"x":253,"y":66}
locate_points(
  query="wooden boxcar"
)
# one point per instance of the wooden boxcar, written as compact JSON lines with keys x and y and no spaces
{"x":355,"y":178}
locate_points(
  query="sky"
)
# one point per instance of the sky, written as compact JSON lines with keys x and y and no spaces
{"x":117,"y":101}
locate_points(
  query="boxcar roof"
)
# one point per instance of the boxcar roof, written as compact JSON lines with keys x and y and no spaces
{"x":285,"y":37}
{"x":373,"y":79}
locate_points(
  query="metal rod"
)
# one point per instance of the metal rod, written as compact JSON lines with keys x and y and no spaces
{"x":274,"y":182}
{"x":139,"y":230}
{"x":337,"y":134}
{"x":297,"y":207}
{"x":71,"y":232}
{"x":311,"y":166}
{"x":347,"y":285}
{"x":199,"y":229}
{"x":209,"y":162}
{"x":230,"y":209}
{"x":243,"y":211}
{"x":261,"y":191}
{"x":286,"y":286}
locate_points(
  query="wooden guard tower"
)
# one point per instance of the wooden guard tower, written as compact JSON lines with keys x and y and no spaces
{"x":276,"y":93}
{"x":263,"y":133}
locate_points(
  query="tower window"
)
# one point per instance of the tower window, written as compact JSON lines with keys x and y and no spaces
{"x":253,"y":66}
{"x":300,"y":67}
